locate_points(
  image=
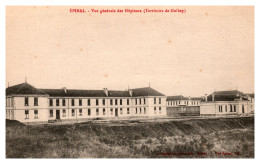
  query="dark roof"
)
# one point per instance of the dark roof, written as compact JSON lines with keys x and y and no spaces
{"x":226,"y":96}
{"x":180,"y":97}
{"x":252,"y":95}
{"x":74,"y":93}
{"x":148,"y":91}
{"x":25,"y":89}
{"x":118,"y":94}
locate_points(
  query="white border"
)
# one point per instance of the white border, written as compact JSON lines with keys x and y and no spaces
{"x":4,"y":3}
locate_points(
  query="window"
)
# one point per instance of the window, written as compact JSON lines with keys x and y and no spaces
{"x":144,"y":100}
{"x":72,"y":112}
{"x":121,"y":111}
{"x":225,"y":108}
{"x":160,"y":101}
{"x":160,"y":110}
{"x":96,"y":102}
{"x":57,"y":102}
{"x":220,"y":108}
{"x":63,"y":102}
{"x":80,"y":112}
{"x":111,"y":111}
{"x":140,"y":110}
{"x":35,"y":113}
{"x":104,"y":101}
{"x":231,"y":108}
{"x":51,"y":113}
{"x":35,"y":101}
{"x":72,"y":102}
{"x":127,"y":101}
{"x":135,"y":110}
{"x":154,"y":110}
{"x":128,"y":111}
{"x":64,"y":112}
{"x":51,"y":102}
{"x":97,"y":111}
{"x":235,"y":109}
{"x":154,"y":100}
{"x":115,"y":101}
{"x":243,"y":109}
{"x":89,"y":112}
{"x":121,"y":101}
{"x":26,"y":112}
{"x":88,"y":102}
{"x":26,"y":101}
{"x":135,"y":101}
{"x":80,"y":102}
{"x":104,"y":111}
{"x":144,"y":110}
{"x":111,"y":101}
{"x":140,"y":101}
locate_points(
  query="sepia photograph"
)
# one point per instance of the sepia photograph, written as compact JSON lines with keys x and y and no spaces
{"x":130,"y":82}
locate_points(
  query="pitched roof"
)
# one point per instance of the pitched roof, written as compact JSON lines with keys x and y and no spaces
{"x":118,"y":94}
{"x":24,"y":89}
{"x":180,"y":97}
{"x":74,"y":93}
{"x":226,"y":96}
{"x":147,"y":91}
{"x":252,"y":95}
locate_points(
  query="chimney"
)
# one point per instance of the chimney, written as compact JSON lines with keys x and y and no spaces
{"x":105,"y":90}
{"x":206,"y":97}
{"x":65,"y":89}
{"x":131,"y":92}
{"x":213,"y":96}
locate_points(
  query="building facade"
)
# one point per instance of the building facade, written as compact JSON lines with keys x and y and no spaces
{"x":183,"y":106}
{"x":225,"y":103}
{"x":26,"y":103}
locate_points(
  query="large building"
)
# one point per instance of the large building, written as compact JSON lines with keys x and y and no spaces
{"x":26,"y":103}
{"x":226,"y":103}
{"x":183,"y":106}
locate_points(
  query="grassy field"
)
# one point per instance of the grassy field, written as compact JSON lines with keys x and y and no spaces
{"x":196,"y":138}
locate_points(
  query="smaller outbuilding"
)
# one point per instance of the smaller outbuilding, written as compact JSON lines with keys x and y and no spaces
{"x":183,"y":106}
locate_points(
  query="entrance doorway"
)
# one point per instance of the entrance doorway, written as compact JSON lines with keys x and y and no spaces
{"x":116,"y":112}
{"x":57,"y":114}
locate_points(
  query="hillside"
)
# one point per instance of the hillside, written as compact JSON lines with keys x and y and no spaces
{"x":196,"y":138}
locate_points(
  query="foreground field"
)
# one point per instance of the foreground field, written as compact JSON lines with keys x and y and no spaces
{"x":197,"y":138}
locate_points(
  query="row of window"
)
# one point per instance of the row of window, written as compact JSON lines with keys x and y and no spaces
{"x":35,"y":101}
{"x":9,"y":102}
{"x":232,"y":108}
{"x":89,"y":112}
{"x":137,"y":111}
{"x":26,"y":101}
{"x":26,"y":112}
{"x":185,"y":102}
{"x":140,"y":100}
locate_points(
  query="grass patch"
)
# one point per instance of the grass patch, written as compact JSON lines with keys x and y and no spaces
{"x":174,"y":139}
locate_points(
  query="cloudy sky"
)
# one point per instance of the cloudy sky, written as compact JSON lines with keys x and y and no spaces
{"x":197,"y":52}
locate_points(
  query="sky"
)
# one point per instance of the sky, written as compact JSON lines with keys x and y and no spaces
{"x":192,"y":53}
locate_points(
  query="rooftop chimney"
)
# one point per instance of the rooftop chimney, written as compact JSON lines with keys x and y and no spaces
{"x":65,"y":89}
{"x":206,"y":97}
{"x":131,"y":92}
{"x":213,"y":96}
{"x":105,"y":90}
